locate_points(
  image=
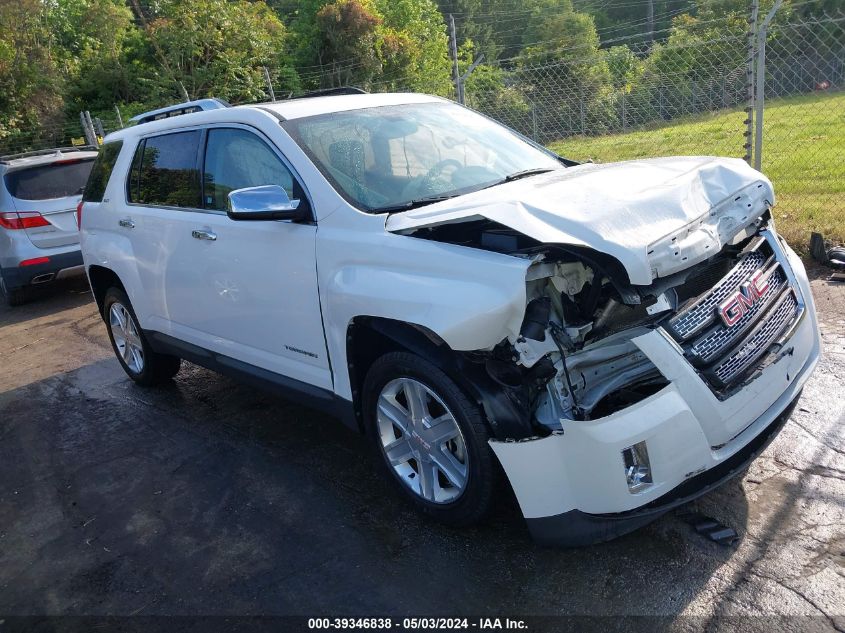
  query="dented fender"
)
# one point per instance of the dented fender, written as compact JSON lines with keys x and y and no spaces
{"x":471,"y":299}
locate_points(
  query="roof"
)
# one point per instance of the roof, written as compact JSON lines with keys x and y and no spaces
{"x":45,"y":157}
{"x":298,"y":108}
{"x":288,"y":109}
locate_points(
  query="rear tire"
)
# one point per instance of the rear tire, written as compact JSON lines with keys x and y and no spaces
{"x":16,"y":296}
{"x":131,"y":347}
{"x":431,"y":439}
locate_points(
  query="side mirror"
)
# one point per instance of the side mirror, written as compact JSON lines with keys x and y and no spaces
{"x":268,"y":202}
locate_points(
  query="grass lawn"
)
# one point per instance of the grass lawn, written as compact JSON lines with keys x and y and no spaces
{"x":803,"y":154}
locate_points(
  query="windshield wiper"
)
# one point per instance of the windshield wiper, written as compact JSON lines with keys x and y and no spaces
{"x":412,"y":204}
{"x":520,"y":174}
{"x":524,"y":174}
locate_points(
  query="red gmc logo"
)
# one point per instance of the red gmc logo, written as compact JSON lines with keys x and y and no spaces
{"x":738,"y":304}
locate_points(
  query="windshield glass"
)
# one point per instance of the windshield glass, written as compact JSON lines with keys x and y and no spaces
{"x":389,"y":157}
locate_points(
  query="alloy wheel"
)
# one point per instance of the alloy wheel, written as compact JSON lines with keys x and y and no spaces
{"x":422,"y":440}
{"x":126,"y":337}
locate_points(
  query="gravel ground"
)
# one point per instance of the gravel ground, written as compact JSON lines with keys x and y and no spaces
{"x":208,"y":497}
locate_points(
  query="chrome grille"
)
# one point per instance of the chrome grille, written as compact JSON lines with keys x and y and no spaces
{"x":703,"y":311}
{"x":708,"y":346}
{"x":782,"y":316}
{"x":725,"y":355}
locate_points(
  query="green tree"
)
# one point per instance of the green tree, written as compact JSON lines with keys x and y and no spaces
{"x":413,"y":46}
{"x":218,"y":48}
{"x":103,"y":53}
{"x":348,"y":38}
{"x":564,"y":75}
{"x":31,"y":84}
{"x":625,"y":68}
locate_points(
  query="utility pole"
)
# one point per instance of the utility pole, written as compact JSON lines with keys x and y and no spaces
{"x":650,"y":20}
{"x":453,"y":52}
{"x":269,"y":83}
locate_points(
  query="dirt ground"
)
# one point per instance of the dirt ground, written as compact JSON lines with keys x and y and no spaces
{"x":208,"y":497}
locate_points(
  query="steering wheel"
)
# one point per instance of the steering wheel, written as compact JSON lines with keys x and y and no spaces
{"x":436,"y":170}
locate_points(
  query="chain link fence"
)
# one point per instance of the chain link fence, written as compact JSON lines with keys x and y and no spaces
{"x":695,"y":95}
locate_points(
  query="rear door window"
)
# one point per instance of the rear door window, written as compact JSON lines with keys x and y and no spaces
{"x":46,"y":182}
{"x":168,"y":171}
{"x":101,"y":171}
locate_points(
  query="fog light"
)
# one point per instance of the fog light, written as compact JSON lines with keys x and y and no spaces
{"x":637,"y":467}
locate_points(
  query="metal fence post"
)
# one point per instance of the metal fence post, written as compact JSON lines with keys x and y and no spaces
{"x":749,"y":81}
{"x":583,"y":117}
{"x":760,"y":93}
{"x":534,"y":121}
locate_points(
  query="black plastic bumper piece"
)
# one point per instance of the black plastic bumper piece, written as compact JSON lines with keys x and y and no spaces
{"x":23,"y":276}
{"x":576,"y":528}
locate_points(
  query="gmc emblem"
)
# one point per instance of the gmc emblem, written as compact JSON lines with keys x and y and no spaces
{"x":739,"y":303}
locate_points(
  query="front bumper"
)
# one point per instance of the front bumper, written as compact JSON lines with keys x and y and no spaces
{"x":571,"y":486}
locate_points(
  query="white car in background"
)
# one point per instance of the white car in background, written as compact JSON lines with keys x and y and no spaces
{"x":621,"y":338}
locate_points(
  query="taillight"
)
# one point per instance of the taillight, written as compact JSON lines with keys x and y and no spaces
{"x":79,"y":215}
{"x":22,"y":220}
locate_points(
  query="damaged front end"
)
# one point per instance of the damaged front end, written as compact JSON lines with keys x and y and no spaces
{"x":644,"y":371}
{"x":574,"y":357}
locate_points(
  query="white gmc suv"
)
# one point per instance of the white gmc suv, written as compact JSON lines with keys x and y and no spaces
{"x":617,"y":339}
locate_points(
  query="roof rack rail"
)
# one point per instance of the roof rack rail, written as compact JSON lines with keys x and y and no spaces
{"x":200,"y":105}
{"x":327,"y":92}
{"x":47,"y":152}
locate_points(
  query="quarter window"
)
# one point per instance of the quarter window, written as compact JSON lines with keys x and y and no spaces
{"x":235,"y":159}
{"x":168,"y":174}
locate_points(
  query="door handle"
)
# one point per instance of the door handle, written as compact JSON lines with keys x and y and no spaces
{"x":204,"y":235}
{"x":126,"y":223}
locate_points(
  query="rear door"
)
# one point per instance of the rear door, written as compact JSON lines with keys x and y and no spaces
{"x":53,"y":190}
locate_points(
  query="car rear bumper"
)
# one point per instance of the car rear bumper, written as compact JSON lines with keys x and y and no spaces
{"x":60,"y":265}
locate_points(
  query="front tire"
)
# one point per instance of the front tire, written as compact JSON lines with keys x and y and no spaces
{"x":131,"y":347}
{"x":430,"y":437}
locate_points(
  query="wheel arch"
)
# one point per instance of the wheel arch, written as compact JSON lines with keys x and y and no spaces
{"x":101,"y":279}
{"x":369,"y":338}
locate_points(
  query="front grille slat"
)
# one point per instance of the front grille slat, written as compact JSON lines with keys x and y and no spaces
{"x":727,"y":355}
{"x":702,"y":312}
{"x":751,"y":350}
{"x":708,"y":347}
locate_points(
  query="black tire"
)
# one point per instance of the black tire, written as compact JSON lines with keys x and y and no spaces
{"x":476,"y":500}
{"x":157,"y":368}
{"x":16,"y":296}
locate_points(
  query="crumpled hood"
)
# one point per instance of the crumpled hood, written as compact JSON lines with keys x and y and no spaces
{"x":655,"y":216}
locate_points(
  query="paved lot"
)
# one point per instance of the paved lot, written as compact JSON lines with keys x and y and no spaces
{"x":207,"y":497}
